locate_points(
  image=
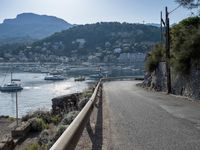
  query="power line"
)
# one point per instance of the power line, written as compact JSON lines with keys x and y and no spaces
{"x":175,"y":9}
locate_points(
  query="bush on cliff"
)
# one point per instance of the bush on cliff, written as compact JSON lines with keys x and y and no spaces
{"x":35,"y":146}
{"x":68,"y":118}
{"x":55,"y":137}
{"x":82,"y":103}
{"x":44,"y":137}
{"x":186,"y":45}
{"x":45,"y":115}
{"x":38,"y":124}
{"x":154,"y":57}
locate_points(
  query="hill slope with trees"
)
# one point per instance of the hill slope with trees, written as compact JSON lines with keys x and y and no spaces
{"x":101,"y":40}
{"x":91,"y":38}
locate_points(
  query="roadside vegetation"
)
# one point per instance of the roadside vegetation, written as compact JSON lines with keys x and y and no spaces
{"x":50,"y":126}
{"x":185,"y":47}
{"x":154,"y":57}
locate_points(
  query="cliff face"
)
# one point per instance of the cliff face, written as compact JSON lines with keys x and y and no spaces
{"x":188,"y":85}
{"x":185,"y":85}
{"x":32,"y":25}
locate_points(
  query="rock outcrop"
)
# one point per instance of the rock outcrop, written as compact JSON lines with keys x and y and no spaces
{"x":65,"y":103}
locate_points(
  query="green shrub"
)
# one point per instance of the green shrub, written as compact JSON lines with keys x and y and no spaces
{"x":60,"y":131}
{"x":45,"y":115}
{"x":56,"y":119}
{"x":44,"y":137}
{"x":55,"y":137}
{"x":154,"y":57}
{"x":86,"y":94}
{"x":35,"y":146}
{"x":68,"y":118}
{"x":38,"y":124}
{"x":12,"y":119}
{"x":186,"y":45}
{"x":32,"y":147}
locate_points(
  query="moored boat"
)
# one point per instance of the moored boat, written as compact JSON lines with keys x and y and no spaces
{"x":96,"y":76}
{"x":79,"y":79}
{"x":54,"y":77}
{"x":11,"y":87}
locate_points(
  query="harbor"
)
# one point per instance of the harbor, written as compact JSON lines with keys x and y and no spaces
{"x":37,"y":92}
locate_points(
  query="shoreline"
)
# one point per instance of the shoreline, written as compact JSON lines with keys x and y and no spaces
{"x":40,"y":121}
{"x":37,"y":93}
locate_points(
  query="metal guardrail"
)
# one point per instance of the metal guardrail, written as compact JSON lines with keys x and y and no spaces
{"x":69,"y":139}
{"x":123,"y":78}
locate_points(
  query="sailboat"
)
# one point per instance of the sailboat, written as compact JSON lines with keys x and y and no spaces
{"x":12,"y":86}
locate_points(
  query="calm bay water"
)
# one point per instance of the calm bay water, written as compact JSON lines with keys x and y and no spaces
{"x":37,"y":93}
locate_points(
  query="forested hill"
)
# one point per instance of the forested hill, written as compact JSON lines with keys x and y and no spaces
{"x":99,"y":42}
{"x":100,"y":37}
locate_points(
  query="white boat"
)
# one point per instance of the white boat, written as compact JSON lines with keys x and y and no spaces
{"x":54,"y":77}
{"x":96,"y":76}
{"x":12,"y":86}
{"x":80,"y":79}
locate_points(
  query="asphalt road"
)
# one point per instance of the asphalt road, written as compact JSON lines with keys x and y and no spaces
{"x":142,"y":120}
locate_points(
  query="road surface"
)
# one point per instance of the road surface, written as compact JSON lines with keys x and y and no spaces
{"x":142,"y":120}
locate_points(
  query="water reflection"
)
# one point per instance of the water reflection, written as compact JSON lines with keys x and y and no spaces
{"x":37,"y":93}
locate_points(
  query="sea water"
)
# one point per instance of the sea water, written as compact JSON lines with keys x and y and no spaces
{"x":36,"y":94}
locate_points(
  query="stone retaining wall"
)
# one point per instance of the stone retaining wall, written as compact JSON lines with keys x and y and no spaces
{"x":185,"y":85}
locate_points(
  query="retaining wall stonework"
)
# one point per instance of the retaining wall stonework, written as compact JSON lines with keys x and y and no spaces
{"x":185,"y":85}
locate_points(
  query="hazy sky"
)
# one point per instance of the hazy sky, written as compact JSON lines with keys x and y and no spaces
{"x":91,"y":11}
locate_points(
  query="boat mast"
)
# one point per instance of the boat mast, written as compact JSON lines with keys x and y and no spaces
{"x":11,"y":77}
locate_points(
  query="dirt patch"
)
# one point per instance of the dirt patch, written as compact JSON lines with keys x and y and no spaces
{"x":5,"y":128}
{"x":32,"y":138}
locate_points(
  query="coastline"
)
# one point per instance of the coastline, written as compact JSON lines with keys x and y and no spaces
{"x":53,"y":120}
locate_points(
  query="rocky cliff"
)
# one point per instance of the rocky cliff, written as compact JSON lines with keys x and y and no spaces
{"x":185,"y":85}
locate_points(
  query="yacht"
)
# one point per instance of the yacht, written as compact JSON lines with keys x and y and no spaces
{"x":13,"y":86}
{"x":54,"y":77}
{"x":80,"y":79}
{"x":96,"y":76}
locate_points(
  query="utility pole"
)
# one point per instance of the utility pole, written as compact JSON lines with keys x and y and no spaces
{"x":161,"y":28}
{"x":16,"y":109}
{"x":167,"y":46}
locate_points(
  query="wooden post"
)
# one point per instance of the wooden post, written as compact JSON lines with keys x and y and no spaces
{"x":161,"y":28}
{"x":16,"y":109}
{"x":167,"y":45}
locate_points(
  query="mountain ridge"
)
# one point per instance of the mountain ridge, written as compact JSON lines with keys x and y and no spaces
{"x":32,"y":25}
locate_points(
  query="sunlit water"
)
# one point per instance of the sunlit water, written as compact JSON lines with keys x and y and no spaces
{"x":37,"y":93}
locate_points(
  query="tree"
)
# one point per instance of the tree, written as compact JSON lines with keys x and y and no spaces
{"x":185,"y":47}
{"x":190,"y":4}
